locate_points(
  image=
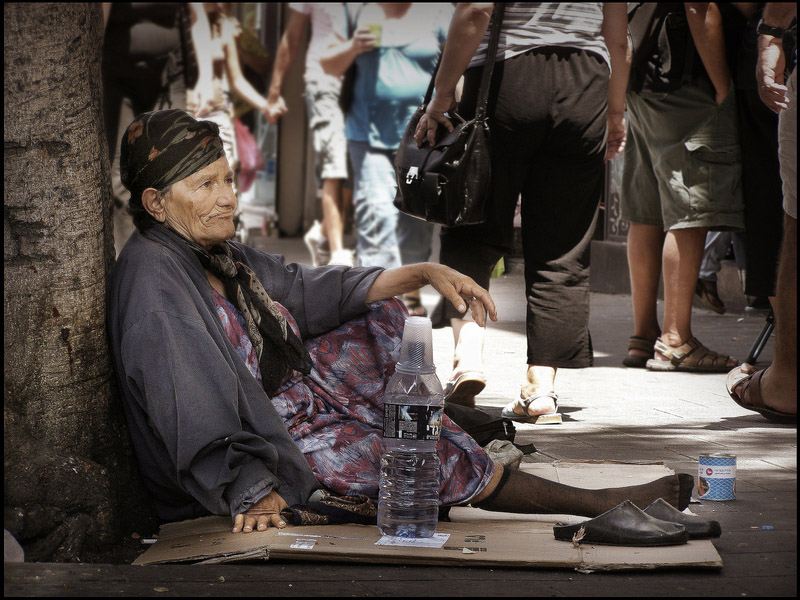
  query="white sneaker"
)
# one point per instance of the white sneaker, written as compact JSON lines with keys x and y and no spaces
{"x":315,"y":240}
{"x":342,"y":257}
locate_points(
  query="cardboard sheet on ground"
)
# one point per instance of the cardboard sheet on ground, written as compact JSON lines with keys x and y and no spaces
{"x":473,"y":538}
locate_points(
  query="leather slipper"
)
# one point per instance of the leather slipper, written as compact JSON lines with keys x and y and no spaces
{"x":698,"y":528}
{"x":464,"y":388}
{"x":623,"y":525}
{"x":508,"y":410}
{"x":738,"y":383}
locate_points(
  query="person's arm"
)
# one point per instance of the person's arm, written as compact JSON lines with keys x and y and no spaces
{"x":771,"y":60}
{"x":287,"y":50}
{"x":705,"y":25}
{"x":615,"y":33}
{"x":459,"y":289}
{"x":342,"y":51}
{"x":203,"y":90}
{"x":233,"y":68}
{"x":467,"y":28}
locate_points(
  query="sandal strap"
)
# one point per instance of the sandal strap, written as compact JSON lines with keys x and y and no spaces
{"x":526,"y":402}
{"x":693,"y":348}
{"x":637,"y":342}
{"x":688,"y":347}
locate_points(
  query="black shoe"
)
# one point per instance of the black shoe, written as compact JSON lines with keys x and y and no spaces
{"x":623,"y":525}
{"x":698,"y":528}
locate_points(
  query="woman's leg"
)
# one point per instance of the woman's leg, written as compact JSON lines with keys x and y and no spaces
{"x":559,"y":214}
{"x":519,"y":492}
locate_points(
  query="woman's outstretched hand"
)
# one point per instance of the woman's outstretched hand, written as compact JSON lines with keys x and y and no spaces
{"x":462,"y":292}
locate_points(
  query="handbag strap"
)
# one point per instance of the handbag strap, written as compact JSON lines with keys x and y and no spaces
{"x":491,"y":57}
{"x":488,"y":66}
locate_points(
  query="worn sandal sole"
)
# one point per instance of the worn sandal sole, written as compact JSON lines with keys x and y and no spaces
{"x":464,"y":389}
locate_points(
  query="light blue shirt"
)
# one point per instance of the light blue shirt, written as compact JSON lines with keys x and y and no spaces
{"x":392,"y":79}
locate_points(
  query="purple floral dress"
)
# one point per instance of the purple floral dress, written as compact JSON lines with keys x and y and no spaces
{"x":335,"y":414}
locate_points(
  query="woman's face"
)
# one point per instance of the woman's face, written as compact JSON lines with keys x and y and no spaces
{"x":201,"y":206}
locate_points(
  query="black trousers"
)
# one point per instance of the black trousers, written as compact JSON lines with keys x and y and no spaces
{"x":548,"y":127}
{"x":763,"y":194}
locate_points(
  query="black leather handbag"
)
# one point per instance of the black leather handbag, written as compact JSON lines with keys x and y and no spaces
{"x":448,"y":183}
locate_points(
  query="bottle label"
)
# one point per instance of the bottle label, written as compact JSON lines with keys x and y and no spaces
{"x":412,"y":422}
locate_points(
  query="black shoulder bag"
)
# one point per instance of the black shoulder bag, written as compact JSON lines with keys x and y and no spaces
{"x":448,"y":183}
{"x":663,"y":49}
{"x":349,"y":78}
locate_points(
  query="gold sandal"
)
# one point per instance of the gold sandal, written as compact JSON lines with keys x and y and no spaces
{"x":691,"y":356}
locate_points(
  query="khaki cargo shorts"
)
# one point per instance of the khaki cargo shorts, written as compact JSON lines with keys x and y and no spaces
{"x":682,"y":161}
{"x":326,"y":123}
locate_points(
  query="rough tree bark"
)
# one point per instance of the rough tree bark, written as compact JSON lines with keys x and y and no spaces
{"x":70,"y":488}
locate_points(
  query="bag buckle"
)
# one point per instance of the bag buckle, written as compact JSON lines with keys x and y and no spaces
{"x":413,"y":173}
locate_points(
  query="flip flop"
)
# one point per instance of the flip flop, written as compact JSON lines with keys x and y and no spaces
{"x":464,"y":388}
{"x":738,"y":382}
{"x":508,"y":411}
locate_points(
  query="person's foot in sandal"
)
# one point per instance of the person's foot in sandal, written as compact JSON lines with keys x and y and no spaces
{"x":640,"y":350}
{"x":758,"y":390}
{"x":531,"y":407}
{"x":464,"y":387}
{"x":691,"y":356}
{"x":536,"y":396}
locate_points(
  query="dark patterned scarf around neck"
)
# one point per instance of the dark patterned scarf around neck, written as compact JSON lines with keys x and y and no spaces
{"x":276,"y":345}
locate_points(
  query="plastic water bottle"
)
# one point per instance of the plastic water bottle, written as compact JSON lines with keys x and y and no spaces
{"x":408,"y":501}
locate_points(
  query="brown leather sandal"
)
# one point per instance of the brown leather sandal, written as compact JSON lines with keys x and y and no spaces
{"x":637,"y":342}
{"x":691,"y":356}
{"x":740,"y":382}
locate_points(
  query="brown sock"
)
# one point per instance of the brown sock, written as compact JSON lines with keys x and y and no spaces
{"x":520,"y":492}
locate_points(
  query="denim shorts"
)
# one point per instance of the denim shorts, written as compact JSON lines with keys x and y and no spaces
{"x":682,"y":161}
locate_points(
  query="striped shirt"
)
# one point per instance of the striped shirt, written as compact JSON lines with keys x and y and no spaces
{"x":528,"y":25}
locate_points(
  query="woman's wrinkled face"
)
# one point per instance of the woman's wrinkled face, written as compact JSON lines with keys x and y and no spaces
{"x":201,"y":206}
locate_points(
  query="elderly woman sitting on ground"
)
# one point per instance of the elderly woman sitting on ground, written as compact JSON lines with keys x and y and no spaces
{"x":249,"y":383}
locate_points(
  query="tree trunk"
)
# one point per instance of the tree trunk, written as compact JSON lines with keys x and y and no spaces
{"x":67,"y":461}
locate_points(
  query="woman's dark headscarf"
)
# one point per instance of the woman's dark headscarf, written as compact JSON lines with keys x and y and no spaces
{"x":160,"y":148}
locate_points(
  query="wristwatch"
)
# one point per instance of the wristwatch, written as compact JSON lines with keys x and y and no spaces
{"x":764,"y":29}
